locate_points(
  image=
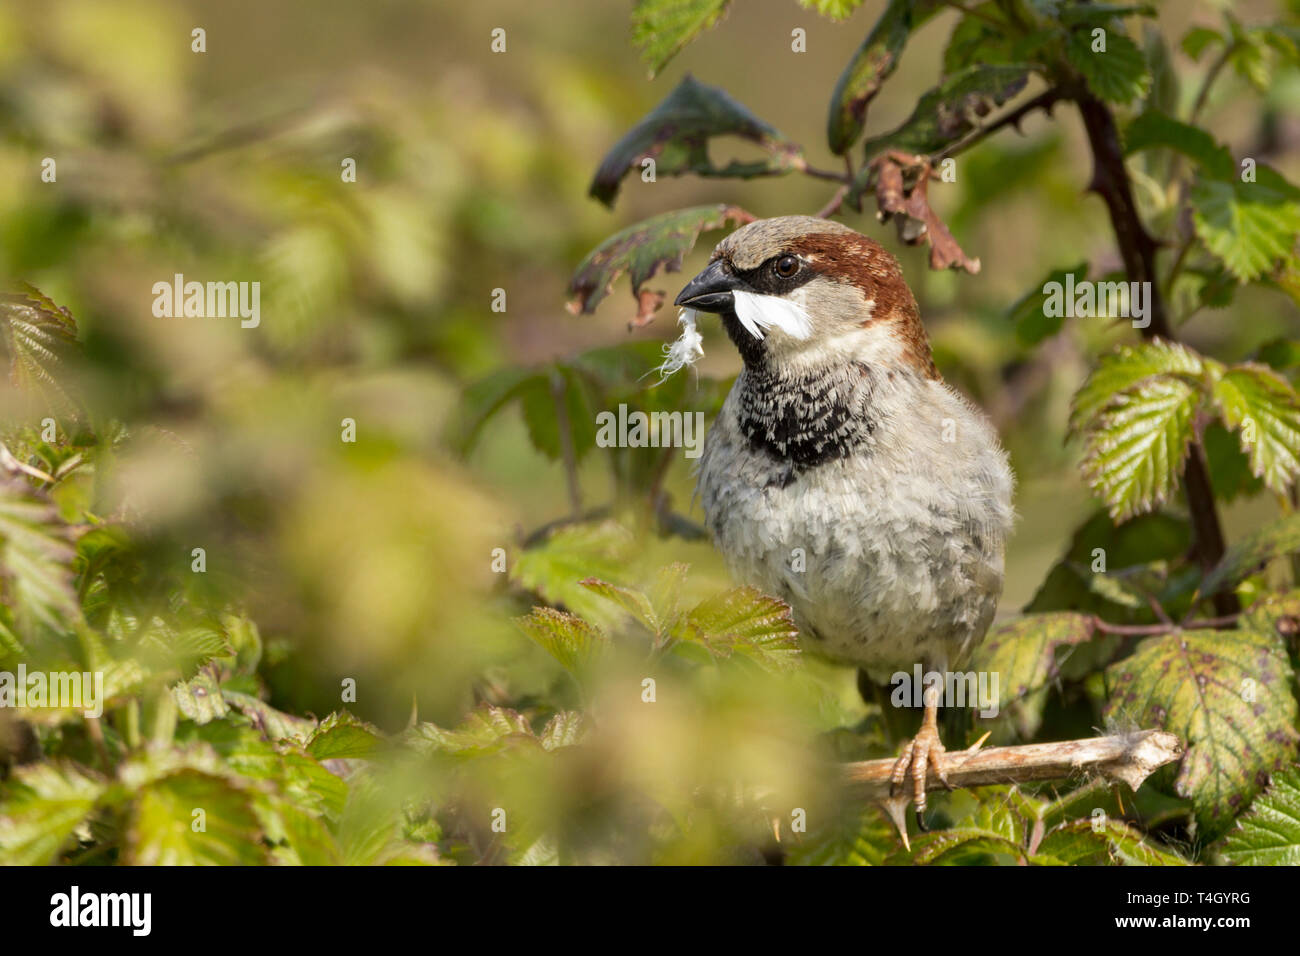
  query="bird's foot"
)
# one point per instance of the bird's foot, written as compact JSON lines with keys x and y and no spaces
{"x":923,"y":755}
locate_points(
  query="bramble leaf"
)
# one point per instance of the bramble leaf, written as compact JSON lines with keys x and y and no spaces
{"x":573,"y":642}
{"x":662,"y":28}
{"x":1254,"y":551}
{"x":1134,"y":454}
{"x":676,"y":134}
{"x":1249,"y":226}
{"x":46,"y":803}
{"x":1227,"y":695}
{"x":1265,"y":410}
{"x":952,"y":109}
{"x":871,"y":65}
{"x":640,"y":251}
{"x":1269,"y":833}
{"x":1119,"y":74}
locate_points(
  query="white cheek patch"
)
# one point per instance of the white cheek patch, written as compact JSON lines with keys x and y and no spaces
{"x":688,"y":349}
{"x":757,"y":313}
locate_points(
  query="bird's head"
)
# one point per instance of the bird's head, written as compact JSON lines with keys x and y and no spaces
{"x":801,"y":291}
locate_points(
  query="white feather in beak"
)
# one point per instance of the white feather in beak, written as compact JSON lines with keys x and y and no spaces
{"x":688,"y":348}
{"x":757,"y":313}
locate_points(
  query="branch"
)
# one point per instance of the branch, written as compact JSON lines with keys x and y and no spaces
{"x":1129,"y":758}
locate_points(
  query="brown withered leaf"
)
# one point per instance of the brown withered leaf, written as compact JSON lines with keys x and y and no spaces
{"x":909,"y":206}
{"x":640,"y":251}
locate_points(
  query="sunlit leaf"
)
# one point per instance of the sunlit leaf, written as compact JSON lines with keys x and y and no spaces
{"x":1269,"y":834}
{"x":1265,"y":410}
{"x":45,"y":803}
{"x":1227,"y":695}
{"x":661,"y":28}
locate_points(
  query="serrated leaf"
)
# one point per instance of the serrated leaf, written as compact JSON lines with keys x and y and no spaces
{"x":1126,"y":367}
{"x":560,"y":392}
{"x":1250,"y":227}
{"x":45,"y":804}
{"x":1134,"y":455}
{"x":640,"y":251}
{"x":565,"y":729}
{"x":35,"y":560}
{"x":199,"y":698}
{"x":957,"y":846}
{"x":573,"y":642}
{"x":676,"y":134}
{"x":1079,"y":843}
{"x":163,"y":828}
{"x":661,"y":28}
{"x":36,"y":335}
{"x":1265,"y":410}
{"x":555,"y":568}
{"x":484,"y":729}
{"x":1227,"y":695}
{"x":342,"y":736}
{"x":860,"y":836}
{"x":872,"y":64}
{"x":1269,"y":834}
{"x":1254,"y":551}
{"x":952,"y":109}
{"x":1155,"y":130}
{"x":1119,"y":75}
{"x":743,"y":621}
{"x":1024,"y":653}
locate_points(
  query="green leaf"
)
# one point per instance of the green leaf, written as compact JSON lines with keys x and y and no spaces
{"x":859,"y":836}
{"x":164,"y":826}
{"x":662,"y":28}
{"x":485,"y":398}
{"x":1265,"y":410}
{"x":1227,"y":695}
{"x":641,"y":249}
{"x":1134,"y":454}
{"x":35,"y":560}
{"x":1125,"y":368}
{"x":544,"y":399}
{"x":952,"y":109}
{"x":483,"y":731}
{"x":743,"y":621}
{"x":1024,"y":653}
{"x":1155,"y":130}
{"x":555,"y":567}
{"x":565,"y":729}
{"x":1269,"y":835}
{"x":36,"y":336}
{"x":573,"y":642}
{"x":1253,"y":552}
{"x":46,"y":803}
{"x":957,"y":846}
{"x":1078,"y":843}
{"x":1119,"y":75}
{"x":832,"y":9}
{"x":1196,"y":40}
{"x":341,"y":736}
{"x":200,"y":698}
{"x":1029,"y":314}
{"x":676,"y":135}
{"x":872,"y":64}
{"x":1249,"y":227}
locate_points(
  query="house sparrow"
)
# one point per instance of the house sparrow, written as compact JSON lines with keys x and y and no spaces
{"x":840,"y":438}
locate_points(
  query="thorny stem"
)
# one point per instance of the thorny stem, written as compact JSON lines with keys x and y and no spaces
{"x":1044,"y":101}
{"x":1110,"y":180}
{"x":1166,"y":627}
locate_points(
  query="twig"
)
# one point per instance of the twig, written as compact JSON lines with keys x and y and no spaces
{"x":566,"y":443}
{"x":1043,"y":101}
{"x":1129,"y":758}
{"x":1167,"y":627}
{"x":832,"y":207}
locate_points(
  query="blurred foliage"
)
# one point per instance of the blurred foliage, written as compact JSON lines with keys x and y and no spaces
{"x":432,"y":620}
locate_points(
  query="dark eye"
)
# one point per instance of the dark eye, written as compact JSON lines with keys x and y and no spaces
{"x":786,"y":266}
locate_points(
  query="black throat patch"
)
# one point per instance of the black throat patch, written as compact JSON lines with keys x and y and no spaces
{"x":807,"y":418}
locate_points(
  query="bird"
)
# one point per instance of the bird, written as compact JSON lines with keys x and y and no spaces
{"x":843,"y":474}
